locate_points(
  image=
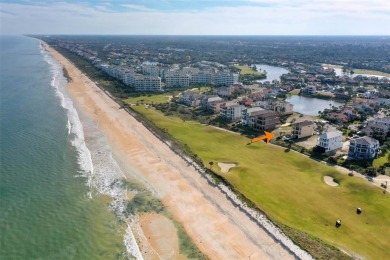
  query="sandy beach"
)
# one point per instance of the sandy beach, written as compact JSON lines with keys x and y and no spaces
{"x":218,"y":228}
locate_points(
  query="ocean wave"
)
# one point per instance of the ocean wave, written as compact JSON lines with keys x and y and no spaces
{"x":97,"y":166}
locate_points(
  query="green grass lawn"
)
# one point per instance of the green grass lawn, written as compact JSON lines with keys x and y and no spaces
{"x":290,"y":188}
{"x":371,"y":72}
{"x":294,"y":92}
{"x":381,"y":160}
{"x":158,"y":98}
{"x":246,"y":70}
{"x":326,"y":93}
{"x":201,"y":90}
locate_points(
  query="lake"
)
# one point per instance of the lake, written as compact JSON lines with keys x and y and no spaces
{"x":310,"y":106}
{"x":273,"y":72}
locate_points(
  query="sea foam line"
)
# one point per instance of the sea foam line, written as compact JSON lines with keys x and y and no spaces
{"x":98,"y":167}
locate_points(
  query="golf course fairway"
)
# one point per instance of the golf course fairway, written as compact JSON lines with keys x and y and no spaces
{"x":290,"y":188}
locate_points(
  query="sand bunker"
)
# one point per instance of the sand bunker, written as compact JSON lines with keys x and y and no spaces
{"x":225,"y":167}
{"x":329,"y":180}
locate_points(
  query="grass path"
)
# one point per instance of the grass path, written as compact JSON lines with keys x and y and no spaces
{"x":290,"y":187}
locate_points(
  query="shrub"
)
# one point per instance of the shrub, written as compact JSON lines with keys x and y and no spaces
{"x":332,"y":160}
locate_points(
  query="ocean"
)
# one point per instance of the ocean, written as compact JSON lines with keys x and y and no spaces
{"x":61,"y":192}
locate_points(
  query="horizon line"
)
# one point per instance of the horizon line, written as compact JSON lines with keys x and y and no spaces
{"x":205,"y":35}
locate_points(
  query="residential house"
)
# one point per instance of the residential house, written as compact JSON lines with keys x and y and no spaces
{"x":329,"y":141}
{"x":311,"y":89}
{"x":225,"y":91}
{"x":384,"y":101}
{"x":231,"y":111}
{"x":190,"y":98}
{"x":363,"y":148}
{"x":303,"y":129}
{"x":362,"y":107}
{"x":212,"y":103}
{"x":339,"y":117}
{"x":266,"y":120}
{"x":270,"y":93}
{"x":342,"y":95}
{"x":248,"y":116}
{"x":247,"y":102}
{"x":257,"y":96}
{"x":377,"y":127}
{"x":216,"y":106}
{"x":282,"y":107}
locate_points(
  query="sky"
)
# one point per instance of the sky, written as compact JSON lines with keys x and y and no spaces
{"x":196,"y":17}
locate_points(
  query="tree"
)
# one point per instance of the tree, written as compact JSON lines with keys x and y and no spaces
{"x":371,"y":171}
{"x":211,"y":164}
{"x":332,"y":160}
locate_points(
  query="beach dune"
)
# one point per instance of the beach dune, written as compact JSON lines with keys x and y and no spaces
{"x":218,"y":228}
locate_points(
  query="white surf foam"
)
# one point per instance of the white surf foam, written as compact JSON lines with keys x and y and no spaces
{"x":97,"y":165}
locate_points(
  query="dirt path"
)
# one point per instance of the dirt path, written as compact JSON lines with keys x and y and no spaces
{"x":219,"y":229}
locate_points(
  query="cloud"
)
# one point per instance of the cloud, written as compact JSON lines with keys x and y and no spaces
{"x":137,"y":7}
{"x":251,"y":17}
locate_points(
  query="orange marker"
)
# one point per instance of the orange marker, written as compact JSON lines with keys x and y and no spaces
{"x":268,"y":136}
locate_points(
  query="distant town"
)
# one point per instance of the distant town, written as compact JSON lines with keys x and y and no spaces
{"x":351,"y":127}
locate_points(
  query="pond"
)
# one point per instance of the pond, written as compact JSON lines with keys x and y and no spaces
{"x":310,"y":106}
{"x":273,"y":72}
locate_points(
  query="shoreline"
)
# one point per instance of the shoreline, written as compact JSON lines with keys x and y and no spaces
{"x":175,"y":181}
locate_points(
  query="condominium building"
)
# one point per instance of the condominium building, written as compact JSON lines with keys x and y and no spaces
{"x":202,"y":77}
{"x":147,"y":83}
{"x":177,"y":79}
{"x":153,"y":70}
{"x":223,"y":79}
{"x":129,"y":78}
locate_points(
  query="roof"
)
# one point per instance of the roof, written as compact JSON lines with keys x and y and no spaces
{"x":265,"y":113}
{"x":329,"y":135}
{"x":191,"y":94}
{"x":254,"y":109}
{"x":381,"y":120}
{"x":175,"y":73}
{"x":211,"y":99}
{"x":365,"y":140}
{"x":303,"y":123}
